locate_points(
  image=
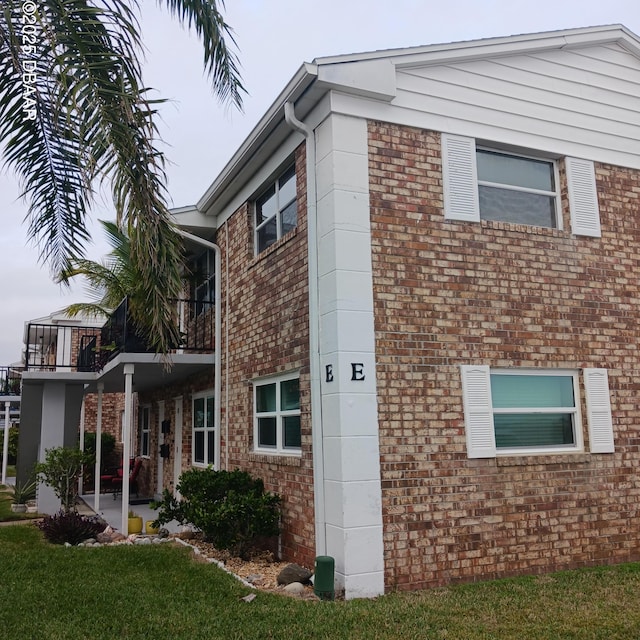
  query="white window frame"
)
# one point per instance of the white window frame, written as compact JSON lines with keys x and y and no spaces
{"x":555,"y":194}
{"x":279,"y":414}
{"x":206,"y":429}
{"x":145,"y":428}
{"x":479,"y":412}
{"x":281,"y":206}
{"x":578,"y":444}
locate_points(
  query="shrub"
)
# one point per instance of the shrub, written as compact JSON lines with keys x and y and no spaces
{"x":107,"y":445}
{"x":23,"y":491}
{"x":71,"y":527}
{"x":231,"y":508}
{"x":60,"y":470}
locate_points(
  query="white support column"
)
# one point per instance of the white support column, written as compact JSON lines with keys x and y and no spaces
{"x":5,"y":445}
{"x":352,"y":487}
{"x":97,"y":473}
{"x":126,"y":440}
{"x":82,"y":425}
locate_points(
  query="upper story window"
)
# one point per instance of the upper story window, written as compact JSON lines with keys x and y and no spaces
{"x":203,"y":280}
{"x":488,"y":184}
{"x":276,"y":211}
{"x":517,"y":189}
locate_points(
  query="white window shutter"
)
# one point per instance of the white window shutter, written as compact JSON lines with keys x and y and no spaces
{"x":460,"y":178}
{"x":478,"y":414}
{"x":596,"y":384}
{"x":583,"y":197}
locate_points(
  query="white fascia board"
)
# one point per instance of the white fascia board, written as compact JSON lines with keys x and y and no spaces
{"x":191,"y":219}
{"x":366,"y":78}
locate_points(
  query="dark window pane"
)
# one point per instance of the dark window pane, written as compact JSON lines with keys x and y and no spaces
{"x":290,"y":395}
{"x":517,"y":206}
{"x":145,"y":443}
{"x":210,"y":412}
{"x":533,"y":430}
{"x":266,"y":206}
{"x":267,"y":432}
{"x":198,"y":446}
{"x":210,"y":447}
{"x":292,"y":432}
{"x":267,"y":235}
{"x":519,"y":172}
{"x":289,"y":218}
{"x":198,"y":412}
{"x":266,"y":398}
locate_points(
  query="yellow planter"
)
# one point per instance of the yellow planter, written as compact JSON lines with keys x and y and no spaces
{"x":135,"y":525}
{"x":150,"y":530}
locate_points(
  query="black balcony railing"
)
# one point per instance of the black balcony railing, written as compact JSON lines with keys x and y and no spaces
{"x":10,"y":380}
{"x":56,"y":347}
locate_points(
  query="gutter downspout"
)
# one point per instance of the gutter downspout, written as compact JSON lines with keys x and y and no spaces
{"x":314,"y":328}
{"x":218,"y":336}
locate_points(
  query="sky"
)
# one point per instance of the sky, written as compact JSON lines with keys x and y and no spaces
{"x":274,"y":37}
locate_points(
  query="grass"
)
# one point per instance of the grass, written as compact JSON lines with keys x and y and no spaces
{"x":136,"y":592}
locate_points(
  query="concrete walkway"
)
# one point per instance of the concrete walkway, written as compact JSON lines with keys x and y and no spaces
{"x":110,"y":511}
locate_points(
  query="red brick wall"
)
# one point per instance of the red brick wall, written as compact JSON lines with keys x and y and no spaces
{"x":266,"y":320}
{"x":450,"y":293}
{"x":265,"y":331}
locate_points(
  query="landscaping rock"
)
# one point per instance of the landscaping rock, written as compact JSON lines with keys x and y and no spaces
{"x":294,"y":573}
{"x":294,"y":589}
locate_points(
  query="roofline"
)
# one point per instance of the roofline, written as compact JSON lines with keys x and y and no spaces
{"x":502,"y":45}
{"x":297,"y":86}
{"x":308,"y":74}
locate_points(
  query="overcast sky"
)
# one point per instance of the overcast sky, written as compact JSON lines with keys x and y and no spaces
{"x":274,"y":38}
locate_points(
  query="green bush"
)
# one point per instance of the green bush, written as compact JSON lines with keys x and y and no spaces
{"x":12,"y":453}
{"x":108,"y":445}
{"x":230,"y":508}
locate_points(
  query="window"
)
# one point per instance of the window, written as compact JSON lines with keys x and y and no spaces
{"x":519,"y":411}
{"x":203,"y":280}
{"x":534,"y":410}
{"x":203,"y":429}
{"x":489,"y":184}
{"x":276,"y":211}
{"x":516,"y":189}
{"x":277,"y":415}
{"x":144,"y":419}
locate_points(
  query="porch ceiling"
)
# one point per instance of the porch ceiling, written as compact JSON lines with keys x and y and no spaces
{"x":149,"y":370}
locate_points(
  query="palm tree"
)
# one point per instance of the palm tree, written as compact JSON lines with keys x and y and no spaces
{"x":75,"y":114}
{"x":109,"y":281}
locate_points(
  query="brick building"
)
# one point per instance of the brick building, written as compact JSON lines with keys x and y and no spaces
{"x":426,"y":290}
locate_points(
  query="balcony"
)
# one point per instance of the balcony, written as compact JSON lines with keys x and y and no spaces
{"x":87,"y":349}
{"x":10,"y":381}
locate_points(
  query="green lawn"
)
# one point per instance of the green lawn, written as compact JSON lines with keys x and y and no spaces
{"x":132,"y":592}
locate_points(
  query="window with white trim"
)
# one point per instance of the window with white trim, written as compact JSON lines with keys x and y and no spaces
{"x":276,"y":211}
{"x":203,"y":429}
{"x":526,"y":412}
{"x":276,"y":404}
{"x":144,"y":426}
{"x":518,"y":189}
{"x":484,"y":183}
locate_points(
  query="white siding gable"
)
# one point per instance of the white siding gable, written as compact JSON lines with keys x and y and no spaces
{"x":582,"y":102}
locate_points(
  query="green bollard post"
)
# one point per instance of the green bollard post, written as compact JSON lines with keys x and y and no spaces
{"x":323,"y":583}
